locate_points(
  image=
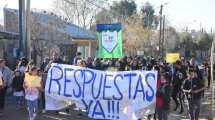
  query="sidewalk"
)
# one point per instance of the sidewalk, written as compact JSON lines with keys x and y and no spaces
{"x":205,"y":112}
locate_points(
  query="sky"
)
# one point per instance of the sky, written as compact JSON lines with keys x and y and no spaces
{"x":180,"y":13}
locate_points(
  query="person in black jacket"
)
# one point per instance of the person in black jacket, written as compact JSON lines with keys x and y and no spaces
{"x":44,"y":64}
{"x":178,"y":77}
{"x":18,"y":90}
{"x":193,"y":88}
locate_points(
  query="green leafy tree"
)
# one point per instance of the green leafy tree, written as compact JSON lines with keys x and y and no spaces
{"x":124,"y":8}
{"x":188,"y":44}
{"x":204,"y":41}
{"x":149,"y":19}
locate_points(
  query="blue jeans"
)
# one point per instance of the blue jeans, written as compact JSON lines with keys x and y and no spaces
{"x":32,"y":107}
{"x":18,"y":101}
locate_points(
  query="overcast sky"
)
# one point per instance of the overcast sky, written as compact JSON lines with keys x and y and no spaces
{"x":180,"y":13}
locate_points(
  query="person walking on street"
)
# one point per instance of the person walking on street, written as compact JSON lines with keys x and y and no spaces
{"x":178,"y":77}
{"x":32,"y":85}
{"x":193,"y":88}
{"x":163,"y":96}
{"x":7,"y":79}
{"x":18,"y":90}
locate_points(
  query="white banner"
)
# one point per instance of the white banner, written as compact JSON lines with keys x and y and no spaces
{"x":124,"y":95}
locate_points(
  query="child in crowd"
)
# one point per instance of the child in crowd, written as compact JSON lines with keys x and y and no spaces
{"x":32,"y":85}
{"x":18,"y":91}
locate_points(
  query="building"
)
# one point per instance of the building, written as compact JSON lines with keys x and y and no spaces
{"x":50,"y":32}
{"x":7,"y":46}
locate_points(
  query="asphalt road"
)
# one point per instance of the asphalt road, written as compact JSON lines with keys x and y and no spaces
{"x":11,"y":113}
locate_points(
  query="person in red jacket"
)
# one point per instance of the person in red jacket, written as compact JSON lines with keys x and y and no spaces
{"x":163,"y":96}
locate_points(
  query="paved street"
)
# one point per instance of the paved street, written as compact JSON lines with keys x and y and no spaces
{"x":205,"y":110}
{"x":13,"y":114}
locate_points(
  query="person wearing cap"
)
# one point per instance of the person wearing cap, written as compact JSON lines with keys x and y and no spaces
{"x":193,"y":89}
{"x":7,"y":80}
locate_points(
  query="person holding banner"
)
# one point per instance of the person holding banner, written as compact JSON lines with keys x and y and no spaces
{"x":32,"y":85}
{"x":134,"y":65}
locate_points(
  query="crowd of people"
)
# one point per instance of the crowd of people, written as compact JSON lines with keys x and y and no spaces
{"x":185,"y":79}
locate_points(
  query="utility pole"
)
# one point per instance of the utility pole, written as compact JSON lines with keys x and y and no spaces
{"x":160,"y":34}
{"x":212,"y":77}
{"x":163,"y":38}
{"x":21,"y":27}
{"x":187,"y":29}
{"x":28,"y":47}
{"x":201,"y":27}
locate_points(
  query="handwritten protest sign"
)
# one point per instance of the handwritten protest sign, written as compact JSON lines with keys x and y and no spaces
{"x":103,"y":94}
{"x":32,"y":81}
{"x":172,"y":57}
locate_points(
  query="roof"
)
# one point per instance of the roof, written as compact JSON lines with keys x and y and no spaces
{"x":75,"y":31}
{"x":8,"y":35}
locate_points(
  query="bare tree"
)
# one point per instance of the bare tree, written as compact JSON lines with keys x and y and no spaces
{"x":81,"y":12}
{"x":134,"y":35}
{"x":46,"y":34}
